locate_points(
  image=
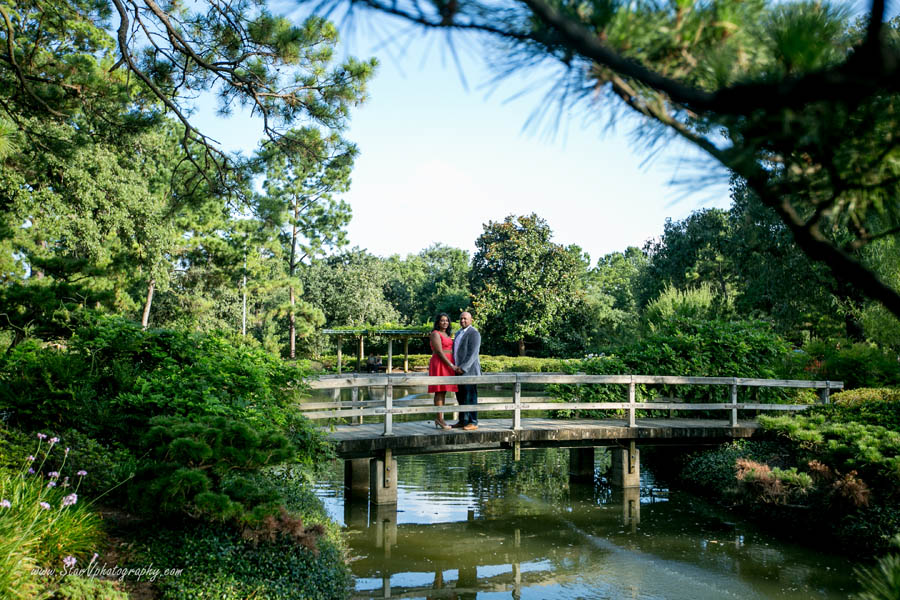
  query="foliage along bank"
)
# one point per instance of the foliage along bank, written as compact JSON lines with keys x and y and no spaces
{"x":836,"y":464}
{"x":191,"y":432}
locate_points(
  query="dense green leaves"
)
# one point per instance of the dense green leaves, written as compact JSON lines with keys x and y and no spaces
{"x":521,"y":281}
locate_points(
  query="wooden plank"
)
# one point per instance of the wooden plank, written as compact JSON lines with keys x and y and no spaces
{"x":332,"y":414}
{"x":562,"y":378}
{"x":501,"y":407}
{"x":786,"y":383}
{"x":330,"y":382}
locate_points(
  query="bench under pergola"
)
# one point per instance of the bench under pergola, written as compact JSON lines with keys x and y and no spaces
{"x":390,"y":333}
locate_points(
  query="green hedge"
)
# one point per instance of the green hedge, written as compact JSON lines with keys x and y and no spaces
{"x":866,"y":395}
{"x":856,"y":364}
{"x":686,"y":347}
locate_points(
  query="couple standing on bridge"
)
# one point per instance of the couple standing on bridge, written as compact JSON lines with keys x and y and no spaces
{"x":455,"y":356}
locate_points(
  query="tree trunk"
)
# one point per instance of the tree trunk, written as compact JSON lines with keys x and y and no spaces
{"x":145,"y":318}
{"x":244,"y":304}
{"x":521,"y":347}
{"x":293,"y":329}
{"x":291,"y":267}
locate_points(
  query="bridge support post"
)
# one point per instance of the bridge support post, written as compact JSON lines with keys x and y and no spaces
{"x":581,"y":464}
{"x":356,"y":477}
{"x":631,"y":506}
{"x":383,"y":479}
{"x":626,"y":467}
{"x":356,"y":512}
{"x":384,"y":522}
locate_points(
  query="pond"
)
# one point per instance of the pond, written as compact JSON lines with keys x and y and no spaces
{"x":482,"y":526}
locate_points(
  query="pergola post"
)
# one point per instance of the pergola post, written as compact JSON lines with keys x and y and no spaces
{"x":359,"y":356}
{"x":340,"y":340}
{"x":406,"y":354}
{"x":390,"y":364}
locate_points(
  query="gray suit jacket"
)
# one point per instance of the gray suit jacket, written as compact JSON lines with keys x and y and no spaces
{"x":465,"y":351}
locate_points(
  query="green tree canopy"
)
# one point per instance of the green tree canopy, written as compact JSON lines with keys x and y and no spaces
{"x":521,"y":281}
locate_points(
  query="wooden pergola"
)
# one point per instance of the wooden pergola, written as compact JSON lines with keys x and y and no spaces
{"x":391,"y":334}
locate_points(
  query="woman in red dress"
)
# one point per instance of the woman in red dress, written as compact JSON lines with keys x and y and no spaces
{"x":441,"y":363}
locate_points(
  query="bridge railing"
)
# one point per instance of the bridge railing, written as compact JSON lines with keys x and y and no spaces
{"x":386,"y":407}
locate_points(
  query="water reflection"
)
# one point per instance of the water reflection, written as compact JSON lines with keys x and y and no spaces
{"x":482,"y":526}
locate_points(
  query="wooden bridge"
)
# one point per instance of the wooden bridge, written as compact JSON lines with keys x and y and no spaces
{"x":369,"y":448}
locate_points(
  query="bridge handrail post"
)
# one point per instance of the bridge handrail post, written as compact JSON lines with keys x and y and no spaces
{"x":388,"y":406}
{"x":825,"y":393}
{"x":631,"y":421}
{"x":517,"y":400}
{"x":734,"y":402}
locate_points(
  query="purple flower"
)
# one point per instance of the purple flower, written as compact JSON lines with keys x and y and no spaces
{"x":31,"y":470}
{"x":5,"y":503}
{"x":67,"y":451}
{"x":51,"y":484}
{"x":70,"y":500}
{"x":54,"y":474}
{"x":69,"y":561}
{"x":53,"y":440}
{"x":30,"y":459}
{"x":45,"y":505}
{"x":42,"y":436}
{"x":81,"y":473}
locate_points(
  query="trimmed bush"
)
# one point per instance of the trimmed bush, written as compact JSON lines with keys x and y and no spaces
{"x":219,"y":563}
{"x":205,"y":467}
{"x":684,"y":347}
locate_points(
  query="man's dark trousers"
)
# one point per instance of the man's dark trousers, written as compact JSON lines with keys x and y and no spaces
{"x":467,"y":395}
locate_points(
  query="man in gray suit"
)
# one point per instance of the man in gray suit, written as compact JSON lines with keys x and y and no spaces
{"x":466,"y":346}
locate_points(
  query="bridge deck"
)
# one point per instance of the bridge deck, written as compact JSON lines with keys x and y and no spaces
{"x":421,"y":437}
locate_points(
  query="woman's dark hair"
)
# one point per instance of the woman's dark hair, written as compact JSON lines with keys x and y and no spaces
{"x":437,"y":323}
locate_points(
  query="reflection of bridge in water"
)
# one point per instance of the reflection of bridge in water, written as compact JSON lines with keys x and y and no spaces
{"x":434,"y":567}
{"x":563,"y":547}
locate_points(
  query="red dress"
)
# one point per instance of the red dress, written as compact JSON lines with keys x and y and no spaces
{"x":437,"y":367}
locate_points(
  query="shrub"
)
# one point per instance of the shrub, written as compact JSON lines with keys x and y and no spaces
{"x":219,"y":563}
{"x":73,"y":587}
{"x":871,"y":449}
{"x":205,"y":468}
{"x":881,"y":582}
{"x":113,"y":377}
{"x":686,"y":347}
{"x":856,"y":364}
{"x":715,"y":471}
{"x":872,"y":406}
{"x":108,"y":467}
{"x":762,"y":483}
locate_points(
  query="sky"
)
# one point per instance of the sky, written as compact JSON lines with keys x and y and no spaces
{"x":440,"y":158}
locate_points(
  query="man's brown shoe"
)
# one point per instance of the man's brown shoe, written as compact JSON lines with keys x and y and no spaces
{"x":470,"y":427}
